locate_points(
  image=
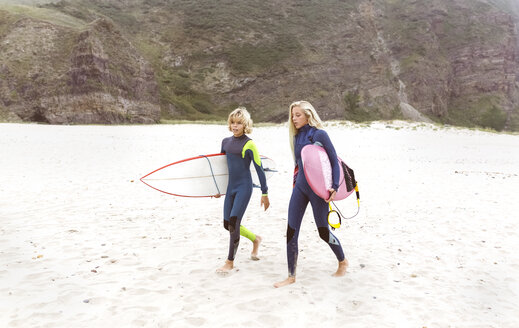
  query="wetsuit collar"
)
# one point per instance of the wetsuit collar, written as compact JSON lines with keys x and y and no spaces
{"x":304,"y":128}
{"x":243,"y":136}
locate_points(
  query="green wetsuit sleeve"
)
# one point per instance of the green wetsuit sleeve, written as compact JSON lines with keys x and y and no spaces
{"x":256,"y":159}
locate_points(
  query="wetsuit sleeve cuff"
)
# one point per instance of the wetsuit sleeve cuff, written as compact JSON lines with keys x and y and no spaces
{"x":264,"y":194}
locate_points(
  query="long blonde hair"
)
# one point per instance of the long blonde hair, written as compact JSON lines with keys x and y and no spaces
{"x":312,"y":116}
{"x":241,"y":115}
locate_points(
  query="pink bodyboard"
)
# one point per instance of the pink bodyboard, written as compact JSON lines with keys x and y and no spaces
{"x":318,"y":172}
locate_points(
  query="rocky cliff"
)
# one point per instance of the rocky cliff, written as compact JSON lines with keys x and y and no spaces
{"x":66,"y":74}
{"x":462,"y":65}
{"x":140,"y":60}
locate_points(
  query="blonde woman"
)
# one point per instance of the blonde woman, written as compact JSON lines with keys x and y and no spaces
{"x":305,"y":127}
{"x":240,"y":151}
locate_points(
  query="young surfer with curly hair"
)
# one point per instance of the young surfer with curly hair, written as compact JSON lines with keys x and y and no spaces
{"x":240,"y":151}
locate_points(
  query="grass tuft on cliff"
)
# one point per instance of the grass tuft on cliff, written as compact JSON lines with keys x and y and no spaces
{"x":44,"y":14}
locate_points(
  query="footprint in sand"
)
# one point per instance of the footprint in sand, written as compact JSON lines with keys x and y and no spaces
{"x":196,"y":321}
{"x":225,"y":273}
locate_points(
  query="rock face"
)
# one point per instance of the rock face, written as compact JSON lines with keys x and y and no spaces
{"x":60,"y":75}
{"x":428,"y":60}
{"x":466,"y":64}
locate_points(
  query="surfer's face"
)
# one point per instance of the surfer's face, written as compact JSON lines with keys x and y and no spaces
{"x":237,"y":128}
{"x":299,"y":117}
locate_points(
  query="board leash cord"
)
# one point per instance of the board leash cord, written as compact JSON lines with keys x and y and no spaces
{"x":338,"y":211}
{"x":212,"y":173}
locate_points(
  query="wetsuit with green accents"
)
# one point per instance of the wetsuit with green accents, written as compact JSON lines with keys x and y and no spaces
{"x":240,"y":152}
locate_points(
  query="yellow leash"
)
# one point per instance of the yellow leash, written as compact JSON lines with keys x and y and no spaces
{"x":338,"y":212}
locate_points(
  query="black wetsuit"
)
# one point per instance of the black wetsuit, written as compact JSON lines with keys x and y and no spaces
{"x":302,"y":194}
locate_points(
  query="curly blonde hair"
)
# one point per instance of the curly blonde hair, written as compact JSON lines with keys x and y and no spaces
{"x":242,"y":116}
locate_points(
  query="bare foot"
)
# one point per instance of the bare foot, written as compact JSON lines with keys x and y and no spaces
{"x":288,"y":281}
{"x":341,"y":270}
{"x":227,"y":267}
{"x":255,"y":246}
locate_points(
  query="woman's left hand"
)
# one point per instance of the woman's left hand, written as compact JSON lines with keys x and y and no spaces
{"x":332,"y":195}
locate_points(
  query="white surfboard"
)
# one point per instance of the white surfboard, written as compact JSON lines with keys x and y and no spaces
{"x":200,"y":176}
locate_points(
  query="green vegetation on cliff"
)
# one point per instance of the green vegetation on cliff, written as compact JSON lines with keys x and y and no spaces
{"x":485,"y":112}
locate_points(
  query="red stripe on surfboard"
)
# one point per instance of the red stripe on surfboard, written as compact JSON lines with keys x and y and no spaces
{"x":181,"y":161}
{"x":184,"y":160}
{"x":174,"y":194}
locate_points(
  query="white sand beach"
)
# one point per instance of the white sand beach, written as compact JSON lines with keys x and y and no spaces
{"x":84,"y":243}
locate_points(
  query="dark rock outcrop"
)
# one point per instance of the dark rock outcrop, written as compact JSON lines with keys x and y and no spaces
{"x":61,"y":76}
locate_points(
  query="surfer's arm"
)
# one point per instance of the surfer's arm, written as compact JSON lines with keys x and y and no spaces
{"x":251,"y":150}
{"x":262,"y":178}
{"x":324,"y":139}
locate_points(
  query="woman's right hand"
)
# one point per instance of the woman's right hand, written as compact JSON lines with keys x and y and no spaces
{"x":217,"y":196}
{"x":332,"y":195}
